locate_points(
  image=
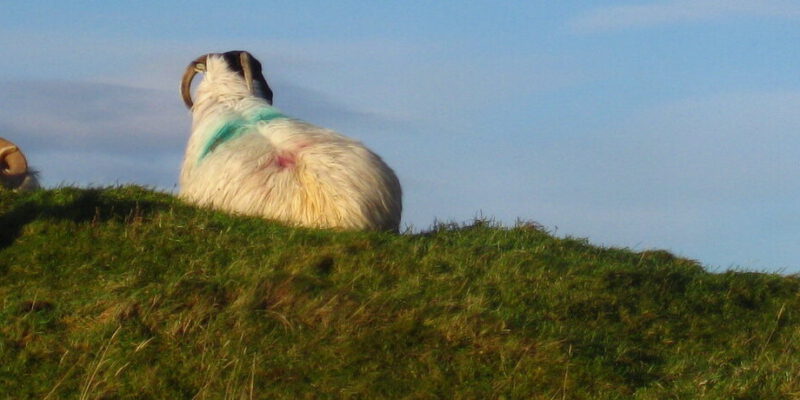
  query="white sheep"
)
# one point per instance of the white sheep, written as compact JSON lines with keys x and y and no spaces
{"x":14,"y":171}
{"x":245,"y":156}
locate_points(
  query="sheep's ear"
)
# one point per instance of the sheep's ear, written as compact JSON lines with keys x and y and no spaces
{"x":247,"y":70}
{"x":250,"y":68}
{"x":258,"y":77}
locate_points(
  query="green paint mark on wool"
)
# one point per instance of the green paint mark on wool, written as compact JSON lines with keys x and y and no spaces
{"x":237,"y":127}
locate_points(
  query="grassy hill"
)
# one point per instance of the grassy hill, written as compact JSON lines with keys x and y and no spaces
{"x":127,"y":293}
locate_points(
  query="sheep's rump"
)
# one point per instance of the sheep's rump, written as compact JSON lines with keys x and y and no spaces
{"x":294,"y":172}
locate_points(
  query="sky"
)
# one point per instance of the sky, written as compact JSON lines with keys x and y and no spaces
{"x":649,"y":124}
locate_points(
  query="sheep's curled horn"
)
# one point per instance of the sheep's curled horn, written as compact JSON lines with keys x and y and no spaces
{"x":13,"y":165}
{"x":240,"y":61}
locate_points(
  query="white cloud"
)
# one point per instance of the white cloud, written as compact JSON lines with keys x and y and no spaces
{"x":679,"y":11}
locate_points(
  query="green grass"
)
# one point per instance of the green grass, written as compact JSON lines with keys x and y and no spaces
{"x":127,"y":293}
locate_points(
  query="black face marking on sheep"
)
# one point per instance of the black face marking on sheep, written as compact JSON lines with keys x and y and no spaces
{"x":234,"y":60}
{"x":240,"y":62}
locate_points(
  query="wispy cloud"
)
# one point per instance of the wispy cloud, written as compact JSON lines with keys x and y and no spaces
{"x":679,"y":11}
{"x":90,"y":133}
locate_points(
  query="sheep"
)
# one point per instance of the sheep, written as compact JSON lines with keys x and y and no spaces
{"x":246,"y":157}
{"x":14,"y":171}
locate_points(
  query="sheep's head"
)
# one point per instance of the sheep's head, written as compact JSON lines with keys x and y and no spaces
{"x":13,"y":165}
{"x":240,"y":62}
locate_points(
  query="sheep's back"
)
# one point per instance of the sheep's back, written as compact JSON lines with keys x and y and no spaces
{"x":298,"y":173}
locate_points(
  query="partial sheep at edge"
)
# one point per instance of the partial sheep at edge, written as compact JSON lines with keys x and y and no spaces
{"x":14,"y":171}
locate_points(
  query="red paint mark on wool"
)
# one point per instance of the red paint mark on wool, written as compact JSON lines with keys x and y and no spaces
{"x":285,"y":160}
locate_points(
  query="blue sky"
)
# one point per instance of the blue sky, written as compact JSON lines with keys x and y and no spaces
{"x":667,"y":124}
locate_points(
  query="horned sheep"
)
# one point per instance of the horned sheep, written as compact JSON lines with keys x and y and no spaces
{"x":246,"y":157}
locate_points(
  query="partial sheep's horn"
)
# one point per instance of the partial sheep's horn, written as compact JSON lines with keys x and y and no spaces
{"x":244,"y":60}
{"x":13,"y":165}
{"x":194,"y":67}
